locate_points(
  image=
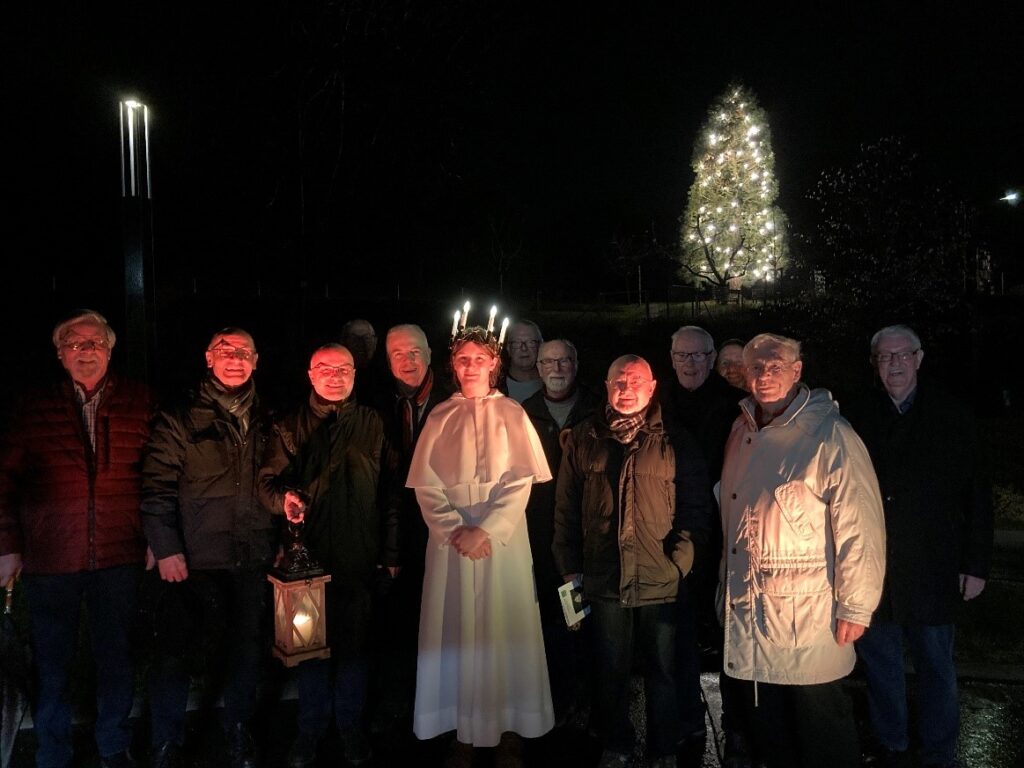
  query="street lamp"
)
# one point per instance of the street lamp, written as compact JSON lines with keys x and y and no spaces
{"x":137,"y":236}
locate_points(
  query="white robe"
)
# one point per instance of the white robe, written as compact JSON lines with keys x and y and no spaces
{"x":481,"y":668}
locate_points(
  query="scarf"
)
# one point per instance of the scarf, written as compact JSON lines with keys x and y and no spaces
{"x":409,"y":407}
{"x":237,"y":402}
{"x":624,"y":427}
{"x":322,"y":408}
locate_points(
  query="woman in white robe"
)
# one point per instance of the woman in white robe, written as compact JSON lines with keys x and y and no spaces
{"x":481,"y":669}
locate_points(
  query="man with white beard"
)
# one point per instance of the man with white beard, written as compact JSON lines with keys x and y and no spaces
{"x":560,"y":405}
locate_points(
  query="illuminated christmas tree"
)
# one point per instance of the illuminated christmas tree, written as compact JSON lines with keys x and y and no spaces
{"x":732,"y":232}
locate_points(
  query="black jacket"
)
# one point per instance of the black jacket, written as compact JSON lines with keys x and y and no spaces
{"x":707,"y":413}
{"x":341,"y":461}
{"x":540,"y":510}
{"x":412,"y":531}
{"x":633,"y":552}
{"x":199,"y":494}
{"x":937,"y":499}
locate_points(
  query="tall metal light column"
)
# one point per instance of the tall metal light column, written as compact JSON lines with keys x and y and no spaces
{"x":137,"y":239}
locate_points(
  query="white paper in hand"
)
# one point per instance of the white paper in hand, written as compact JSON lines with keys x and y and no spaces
{"x":573,"y":605}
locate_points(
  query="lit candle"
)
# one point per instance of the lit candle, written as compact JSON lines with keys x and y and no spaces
{"x":490,"y":320}
{"x":465,"y":314}
{"x":303,"y":624}
{"x":504,"y":327}
{"x":455,"y":323}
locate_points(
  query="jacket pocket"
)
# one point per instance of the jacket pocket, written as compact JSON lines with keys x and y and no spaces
{"x":802,"y":510}
{"x":794,"y":610}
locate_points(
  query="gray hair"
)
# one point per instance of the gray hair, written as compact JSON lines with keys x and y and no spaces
{"x":530,"y":324}
{"x":569,"y":344}
{"x":84,"y":316}
{"x":895,"y":330}
{"x":410,"y":328}
{"x":709,"y":342}
{"x":770,"y":340}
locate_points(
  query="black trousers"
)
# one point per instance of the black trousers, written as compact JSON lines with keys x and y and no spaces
{"x":797,"y":726}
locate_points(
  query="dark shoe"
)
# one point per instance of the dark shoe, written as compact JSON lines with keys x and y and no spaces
{"x":120,"y":760}
{"x":611,"y":759}
{"x":302,"y":753}
{"x":459,"y":755}
{"x":690,"y":754}
{"x":736,"y":753}
{"x":888,"y":758}
{"x":357,"y":748}
{"x":167,"y":755}
{"x":510,"y":751}
{"x":241,"y":749}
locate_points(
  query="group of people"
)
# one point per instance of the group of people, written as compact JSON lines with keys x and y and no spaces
{"x":733,"y":506}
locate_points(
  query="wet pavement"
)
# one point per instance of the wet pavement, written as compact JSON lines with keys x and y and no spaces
{"x":989,"y":661}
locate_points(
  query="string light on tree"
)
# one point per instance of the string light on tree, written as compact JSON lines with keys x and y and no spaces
{"x":731,"y":217}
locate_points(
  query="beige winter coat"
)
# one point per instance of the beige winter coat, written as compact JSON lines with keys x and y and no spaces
{"x":804,"y":542}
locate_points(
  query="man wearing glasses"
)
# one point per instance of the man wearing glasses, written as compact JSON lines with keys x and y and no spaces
{"x":706,"y":406}
{"x":212,"y":540}
{"x":803,"y":562}
{"x":560,"y":405}
{"x":521,"y":377}
{"x":631,"y":504}
{"x":938,"y":519}
{"x":325,"y":467}
{"x":69,"y":523}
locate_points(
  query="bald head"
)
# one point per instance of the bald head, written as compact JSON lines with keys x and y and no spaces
{"x":630,"y":384}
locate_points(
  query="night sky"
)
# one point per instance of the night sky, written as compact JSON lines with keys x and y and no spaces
{"x":369,"y":148}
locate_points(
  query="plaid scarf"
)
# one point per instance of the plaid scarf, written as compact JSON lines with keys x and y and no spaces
{"x":624,"y":427}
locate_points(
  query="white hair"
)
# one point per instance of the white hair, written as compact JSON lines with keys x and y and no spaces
{"x":895,"y":330}
{"x":790,"y":347}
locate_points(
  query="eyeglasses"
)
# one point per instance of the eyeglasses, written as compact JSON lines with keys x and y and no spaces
{"x":630,"y":382}
{"x":771,"y":369}
{"x":887,"y":357}
{"x":86,"y":345}
{"x":227,"y":352}
{"x":551,"y":362}
{"x":531,"y":344}
{"x":325,"y":371}
{"x":410,"y":354}
{"x":697,"y":357}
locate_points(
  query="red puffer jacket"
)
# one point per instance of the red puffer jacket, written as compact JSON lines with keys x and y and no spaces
{"x":64,"y":506}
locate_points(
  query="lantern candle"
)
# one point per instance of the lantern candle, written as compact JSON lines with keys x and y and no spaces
{"x":490,"y":320}
{"x":303,"y":624}
{"x":504,"y":327}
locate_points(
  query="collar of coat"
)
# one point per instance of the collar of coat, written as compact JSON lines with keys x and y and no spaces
{"x":808,"y":410}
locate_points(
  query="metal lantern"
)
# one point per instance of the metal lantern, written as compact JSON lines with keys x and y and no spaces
{"x":300,"y":618}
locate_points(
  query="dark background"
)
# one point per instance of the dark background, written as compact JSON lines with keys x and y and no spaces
{"x":313,"y":161}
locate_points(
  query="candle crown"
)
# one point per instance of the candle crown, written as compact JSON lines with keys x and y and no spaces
{"x":486,"y":337}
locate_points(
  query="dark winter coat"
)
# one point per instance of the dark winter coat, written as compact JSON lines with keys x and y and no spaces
{"x":937,"y":500}
{"x":412,"y":531}
{"x":540,"y":509}
{"x":707,"y":413}
{"x":341,"y":461}
{"x":629,"y":516}
{"x":199,"y":487}
{"x":64,"y":506}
